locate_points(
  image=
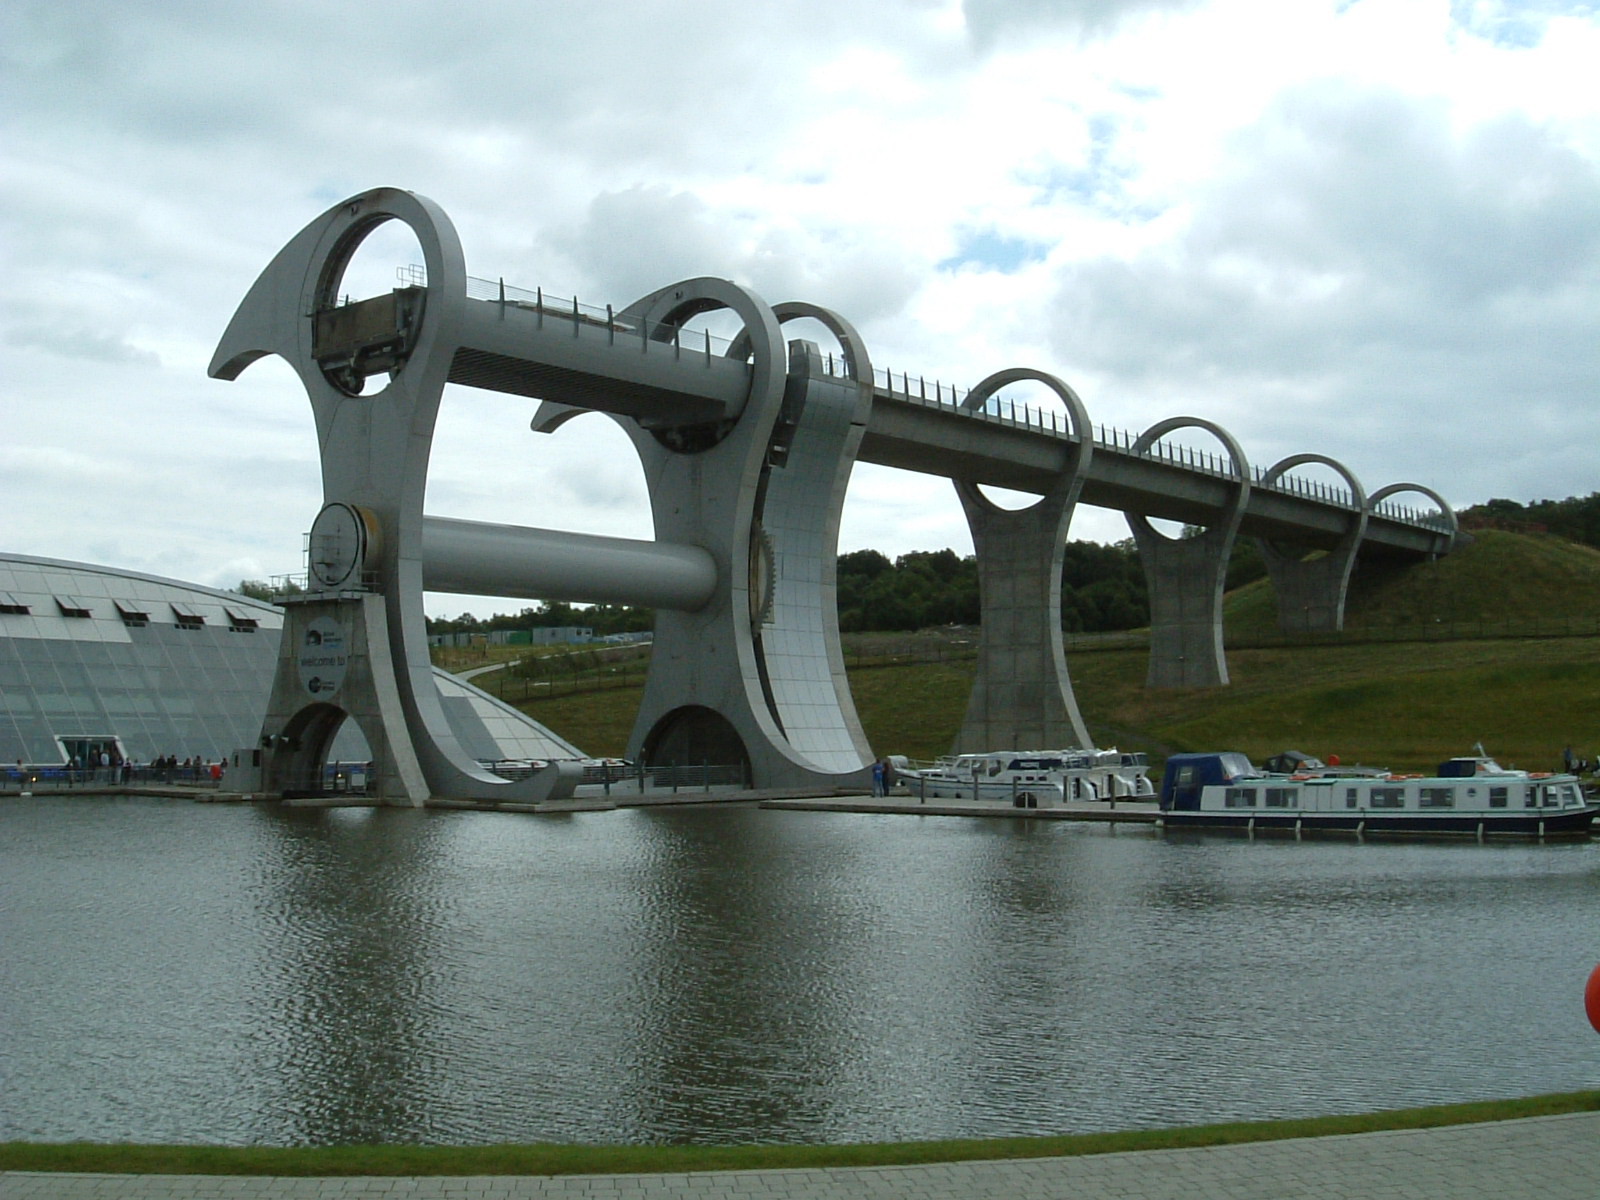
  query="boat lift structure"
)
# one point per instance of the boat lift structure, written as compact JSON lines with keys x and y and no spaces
{"x":747,"y":450}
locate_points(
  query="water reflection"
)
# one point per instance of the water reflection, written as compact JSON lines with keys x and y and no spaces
{"x":352,"y":973}
{"x":724,"y":974}
{"x":740,"y":923}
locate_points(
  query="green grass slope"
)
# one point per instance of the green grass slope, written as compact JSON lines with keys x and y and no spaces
{"x":1500,"y":581}
{"x":1399,"y":704}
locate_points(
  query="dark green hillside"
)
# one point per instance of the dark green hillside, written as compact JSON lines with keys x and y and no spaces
{"x":1501,"y":581}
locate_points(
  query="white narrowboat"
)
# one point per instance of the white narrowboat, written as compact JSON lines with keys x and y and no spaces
{"x":1469,"y":795}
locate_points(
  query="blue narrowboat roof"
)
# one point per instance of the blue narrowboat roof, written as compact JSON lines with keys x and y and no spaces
{"x":1191,"y":772}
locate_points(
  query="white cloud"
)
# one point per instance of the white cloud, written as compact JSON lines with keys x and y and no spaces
{"x":1357,"y":256}
{"x":1355,"y":226}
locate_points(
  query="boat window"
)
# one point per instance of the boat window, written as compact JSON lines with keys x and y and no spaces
{"x":1352,"y":798}
{"x":1280,"y":797}
{"x":1241,"y":798}
{"x":1437,"y":797}
{"x":1531,"y":797}
{"x":1236,"y":766}
{"x":1388,"y":797}
{"x":1497,"y":797}
{"x":1552,"y":796}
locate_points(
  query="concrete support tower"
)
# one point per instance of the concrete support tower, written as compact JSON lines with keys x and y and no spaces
{"x":1021,"y":692}
{"x":756,"y":675}
{"x":1186,"y":576}
{"x":356,"y":646}
{"x":1311,"y":591}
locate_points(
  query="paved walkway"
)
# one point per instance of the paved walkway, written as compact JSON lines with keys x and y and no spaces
{"x":1541,"y":1158}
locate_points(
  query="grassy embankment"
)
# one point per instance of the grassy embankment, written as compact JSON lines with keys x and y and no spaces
{"x":1369,"y":697}
{"x":587,"y":1160}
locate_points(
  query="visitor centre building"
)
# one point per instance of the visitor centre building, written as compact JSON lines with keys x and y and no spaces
{"x":99,"y":660}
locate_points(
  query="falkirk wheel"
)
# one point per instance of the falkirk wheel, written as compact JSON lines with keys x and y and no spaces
{"x":747,"y":455}
{"x":747,"y":449}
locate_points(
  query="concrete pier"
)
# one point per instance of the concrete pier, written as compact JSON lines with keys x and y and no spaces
{"x":1186,"y":577}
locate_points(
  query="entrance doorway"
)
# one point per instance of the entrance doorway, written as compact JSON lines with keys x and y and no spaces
{"x":87,"y":749}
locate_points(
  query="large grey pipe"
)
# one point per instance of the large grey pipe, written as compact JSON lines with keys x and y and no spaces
{"x":474,"y":558}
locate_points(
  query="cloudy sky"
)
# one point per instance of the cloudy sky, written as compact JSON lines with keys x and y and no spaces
{"x":1369,"y":228}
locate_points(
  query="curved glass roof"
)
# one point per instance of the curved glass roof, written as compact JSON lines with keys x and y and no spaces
{"x":96,"y":658}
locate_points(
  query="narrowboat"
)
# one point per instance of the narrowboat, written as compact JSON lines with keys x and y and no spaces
{"x":1471,"y":795}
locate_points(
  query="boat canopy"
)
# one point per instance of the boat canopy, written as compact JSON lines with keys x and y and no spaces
{"x":1291,"y":762}
{"x":1186,"y":774}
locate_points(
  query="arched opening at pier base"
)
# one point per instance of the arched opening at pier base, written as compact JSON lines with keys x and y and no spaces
{"x":300,"y":750}
{"x":696,"y":736}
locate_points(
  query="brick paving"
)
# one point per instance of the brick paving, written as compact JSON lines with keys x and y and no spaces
{"x":1540,"y":1158}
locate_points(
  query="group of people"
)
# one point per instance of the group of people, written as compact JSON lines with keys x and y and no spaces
{"x":101,"y":762}
{"x":1574,"y":765}
{"x":110,"y":765}
{"x":190,"y":768}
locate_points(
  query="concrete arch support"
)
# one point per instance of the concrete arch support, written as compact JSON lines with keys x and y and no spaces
{"x":298,"y":731}
{"x":1021,"y":692}
{"x":374,"y":448}
{"x":756,"y":671}
{"x":1451,"y":528}
{"x":1311,"y":592}
{"x":813,"y":451}
{"x":1185,"y":576}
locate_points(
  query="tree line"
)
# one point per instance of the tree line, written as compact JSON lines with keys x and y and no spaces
{"x":1102,"y":590}
{"x":1577,"y":518}
{"x":604,"y":619}
{"x":1102,"y":586}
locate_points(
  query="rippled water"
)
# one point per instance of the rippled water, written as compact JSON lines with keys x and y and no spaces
{"x":177,"y":972}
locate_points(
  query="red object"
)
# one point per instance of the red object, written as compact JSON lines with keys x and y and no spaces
{"x":1591,"y":999}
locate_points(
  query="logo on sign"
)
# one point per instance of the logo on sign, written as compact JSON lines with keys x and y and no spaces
{"x":323,"y":656}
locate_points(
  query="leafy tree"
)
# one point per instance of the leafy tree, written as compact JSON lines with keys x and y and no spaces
{"x":1102,"y":587}
{"x":1577,"y":518}
{"x":1102,"y":590}
{"x":260,"y":589}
